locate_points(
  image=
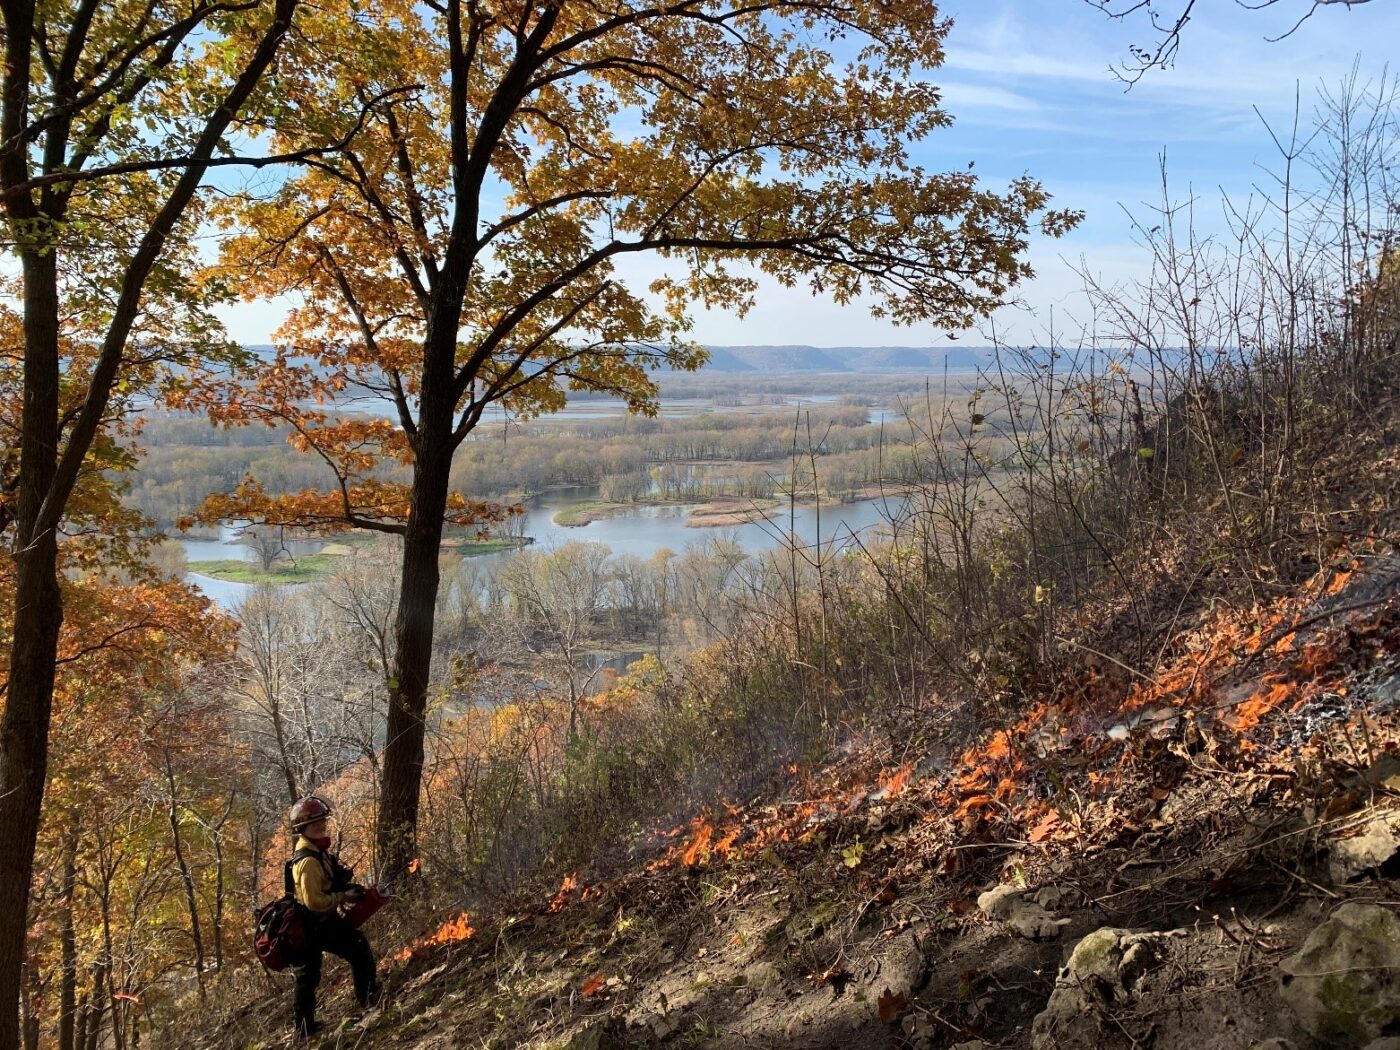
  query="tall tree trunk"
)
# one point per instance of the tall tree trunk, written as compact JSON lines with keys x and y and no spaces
{"x":219,"y":891}
{"x":284,"y":758}
{"x":80,"y":1020}
{"x":31,"y":1014}
{"x":38,"y":615}
{"x":45,"y":480}
{"x":92,"y":1030}
{"x":68,"y":994}
{"x":255,"y":849}
{"x":413,"y":648}
{"x":114,"y":1005}
{"x":186,"y":876}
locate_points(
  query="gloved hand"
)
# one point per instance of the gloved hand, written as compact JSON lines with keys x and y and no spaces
{"x":354,"y":893}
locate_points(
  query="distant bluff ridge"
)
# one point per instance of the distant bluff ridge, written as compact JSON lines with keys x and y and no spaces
{"x":813,"y":360}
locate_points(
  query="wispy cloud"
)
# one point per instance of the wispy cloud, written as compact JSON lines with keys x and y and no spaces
{"x":961,"y":95}
{"x":1030,"y":88}
{"x":1022,"y":64}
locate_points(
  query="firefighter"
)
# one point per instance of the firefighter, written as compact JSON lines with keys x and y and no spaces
{"x":322,"y":885}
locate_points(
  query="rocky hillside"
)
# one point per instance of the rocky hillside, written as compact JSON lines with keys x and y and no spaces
{"x":1206,"y":855}
{"x":1209,"y":861}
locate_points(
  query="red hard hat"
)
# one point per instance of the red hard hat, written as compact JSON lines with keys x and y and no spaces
{"x":309,"y":810}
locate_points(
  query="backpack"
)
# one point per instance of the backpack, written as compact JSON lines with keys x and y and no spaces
{"x":279,"y":929}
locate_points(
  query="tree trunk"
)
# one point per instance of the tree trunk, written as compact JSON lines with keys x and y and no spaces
{"x":283,"y":758}
{"x":80,"y":1021}
{"x":413,"y":650}
{"x":31,"y":1014}
{"x":255,"y":849}
{"x":92,"y":1030}
{"x":68,"y":987}
{"x":186,"y":876}
{"x":38,"y":615}
{"x":219,"y":892}
{"x":114,"y":1009}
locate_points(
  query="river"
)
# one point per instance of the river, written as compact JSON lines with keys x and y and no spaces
{"x":586,"y":409}
{"x":641,"y":532}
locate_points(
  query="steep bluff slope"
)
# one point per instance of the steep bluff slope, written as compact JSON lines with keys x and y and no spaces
{"x":1191,"y":858}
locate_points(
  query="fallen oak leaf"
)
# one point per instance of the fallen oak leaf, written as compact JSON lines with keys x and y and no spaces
{"x":1045,"y":828}
{"x":594,"y":984}
{"x":890,"y":1006}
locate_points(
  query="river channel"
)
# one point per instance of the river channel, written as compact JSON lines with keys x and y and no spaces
{"x":641,"y":532}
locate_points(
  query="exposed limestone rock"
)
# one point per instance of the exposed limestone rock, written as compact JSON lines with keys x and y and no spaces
{"x":899,"y":969}
{"x":1377,"y":842}
{"x":1012,"y":906}
{"x":662,"y":1026}
{"x":1344,"y":984}
{"x":1103,"y":971}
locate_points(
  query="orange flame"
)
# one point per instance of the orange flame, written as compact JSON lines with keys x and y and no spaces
{"x":453,"y":930}
{"x":897,"y":781}
{"x":458,"y":929}
{"x":561,"y":898}
{"x":699,"y":845}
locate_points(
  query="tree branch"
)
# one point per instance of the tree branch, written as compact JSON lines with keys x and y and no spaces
{"x":148,"y":251}
{"x":168,"y":163}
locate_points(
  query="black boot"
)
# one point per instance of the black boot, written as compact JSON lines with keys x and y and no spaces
{"x":372,"y":998}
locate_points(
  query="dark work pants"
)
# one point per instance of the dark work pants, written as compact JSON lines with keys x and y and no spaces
{"x":332,"y":934}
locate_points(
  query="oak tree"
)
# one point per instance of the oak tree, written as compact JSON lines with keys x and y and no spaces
{"x":111,"y":114}
{"x":469,"y":249}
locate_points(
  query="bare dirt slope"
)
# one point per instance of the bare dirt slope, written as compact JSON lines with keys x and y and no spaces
{"x":1206,"y":855}
{"x":1211,"y":817}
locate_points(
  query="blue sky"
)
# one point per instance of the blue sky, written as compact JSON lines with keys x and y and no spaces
{"x":1029,"y":86}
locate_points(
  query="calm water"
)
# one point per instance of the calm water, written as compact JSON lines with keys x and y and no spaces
{"x":608,"y":408}
{"x":646,"y":530}
{"x":642,"y":532}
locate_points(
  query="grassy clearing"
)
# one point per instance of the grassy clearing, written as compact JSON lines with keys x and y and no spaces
{"x":315,"y":566}
{"x":303,"y":570}
{"x":469,"y":547}
{"x":586,"y":513}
